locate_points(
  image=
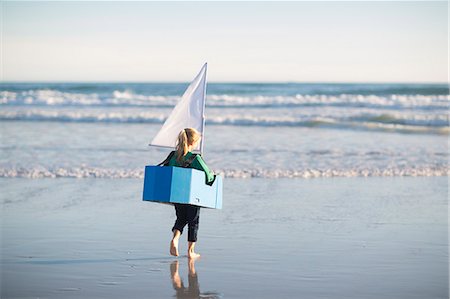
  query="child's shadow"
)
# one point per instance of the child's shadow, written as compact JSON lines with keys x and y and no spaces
{"x":193,"y":291}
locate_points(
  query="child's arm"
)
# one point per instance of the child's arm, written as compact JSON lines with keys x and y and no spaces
{"x":201,"y":165}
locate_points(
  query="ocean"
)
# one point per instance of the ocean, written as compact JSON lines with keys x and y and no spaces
{"x":252,"y":130}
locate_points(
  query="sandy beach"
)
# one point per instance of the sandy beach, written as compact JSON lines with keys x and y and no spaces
{"x":275,"y":238}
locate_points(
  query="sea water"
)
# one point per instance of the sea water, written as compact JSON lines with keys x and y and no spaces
{"x":252,"y":130}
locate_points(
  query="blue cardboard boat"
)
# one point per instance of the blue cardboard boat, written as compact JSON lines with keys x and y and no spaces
{"x":170,"y":184}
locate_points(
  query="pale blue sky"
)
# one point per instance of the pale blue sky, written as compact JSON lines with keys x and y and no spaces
{"x":241,"y":41}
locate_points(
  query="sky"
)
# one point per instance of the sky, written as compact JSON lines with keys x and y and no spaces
{"x":241,"y":41}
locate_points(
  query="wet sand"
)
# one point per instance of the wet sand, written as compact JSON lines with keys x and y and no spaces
{"x":275,"y":238}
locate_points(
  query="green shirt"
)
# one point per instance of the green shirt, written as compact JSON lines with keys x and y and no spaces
{"x":198,"y":163}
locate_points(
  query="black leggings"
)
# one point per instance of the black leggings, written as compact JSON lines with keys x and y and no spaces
{"x":187,"y":214}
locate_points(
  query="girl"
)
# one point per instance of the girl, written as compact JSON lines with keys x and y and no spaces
{"x":187,"y":214}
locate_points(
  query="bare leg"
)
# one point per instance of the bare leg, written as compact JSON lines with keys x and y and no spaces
{"x":174,"y":242}
{"x":191,"y":253}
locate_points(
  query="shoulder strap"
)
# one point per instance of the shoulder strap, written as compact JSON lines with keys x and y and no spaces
{"x":166,"y":161}
{"x":189,"y":161}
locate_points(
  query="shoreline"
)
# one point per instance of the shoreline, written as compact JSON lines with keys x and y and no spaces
{"x":284,"y":238}
{"x":85,"y":172}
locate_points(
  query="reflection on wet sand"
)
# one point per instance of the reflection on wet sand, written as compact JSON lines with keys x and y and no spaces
{"x":193,"y":290}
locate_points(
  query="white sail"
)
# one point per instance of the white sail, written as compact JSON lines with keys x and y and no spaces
{"x":188,"y":113}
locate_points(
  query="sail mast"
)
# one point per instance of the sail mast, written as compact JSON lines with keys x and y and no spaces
{"x":203,"y":111}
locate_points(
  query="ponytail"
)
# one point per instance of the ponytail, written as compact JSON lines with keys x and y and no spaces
{"x":182,"y":146}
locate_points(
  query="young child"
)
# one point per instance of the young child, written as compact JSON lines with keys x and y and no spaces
{"x":187,"y":214}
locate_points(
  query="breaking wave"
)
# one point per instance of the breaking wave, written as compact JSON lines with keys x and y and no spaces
{"x":94,"y":172}
{"x":126,"y":98}
{"x":397,"y":122}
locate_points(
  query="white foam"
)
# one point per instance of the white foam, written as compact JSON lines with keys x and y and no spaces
{"x":128,"y":98}
{"x":82,"y":116}
{"x":436,"y":101}
{"x":48,"y":97}
{"x":95,"y":172}
{"x":434,"y":124}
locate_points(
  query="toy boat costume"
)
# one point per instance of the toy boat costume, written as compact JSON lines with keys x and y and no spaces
{"x":172,"y":184}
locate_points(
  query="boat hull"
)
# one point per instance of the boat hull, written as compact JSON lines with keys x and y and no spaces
{"x":170,"y":184}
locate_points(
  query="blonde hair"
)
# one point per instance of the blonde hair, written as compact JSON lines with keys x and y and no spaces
{"x":188,"y":136}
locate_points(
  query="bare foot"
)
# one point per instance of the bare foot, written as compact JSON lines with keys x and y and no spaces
{"x":174,"y":247}
{"x":193,"y":255}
